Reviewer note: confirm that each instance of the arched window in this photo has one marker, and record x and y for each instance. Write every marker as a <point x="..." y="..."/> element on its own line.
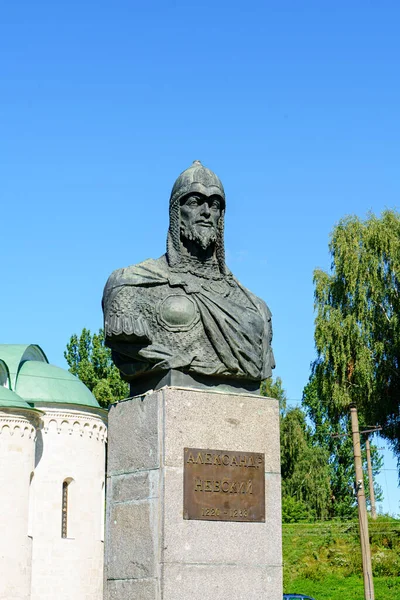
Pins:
<point x="64" y="507"/>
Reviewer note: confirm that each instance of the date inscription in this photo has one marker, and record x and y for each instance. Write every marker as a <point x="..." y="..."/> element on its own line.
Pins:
<point x="222" y="485"/>
<point x="216" y="512"/>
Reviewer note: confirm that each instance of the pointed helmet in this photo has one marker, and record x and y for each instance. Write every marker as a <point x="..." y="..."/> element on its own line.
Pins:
<point x="201" y="180"/>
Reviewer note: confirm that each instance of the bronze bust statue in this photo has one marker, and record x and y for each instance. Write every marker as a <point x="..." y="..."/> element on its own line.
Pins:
<point x="183" y="319"/>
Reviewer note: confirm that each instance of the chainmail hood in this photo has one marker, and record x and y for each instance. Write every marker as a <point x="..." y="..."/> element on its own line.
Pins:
<point x="195" y="179"/>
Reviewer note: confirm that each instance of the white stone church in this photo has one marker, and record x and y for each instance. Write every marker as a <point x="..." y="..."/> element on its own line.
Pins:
<point x="52" y="481"/>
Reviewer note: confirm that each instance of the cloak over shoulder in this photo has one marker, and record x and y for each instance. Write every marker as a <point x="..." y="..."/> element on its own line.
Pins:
<point x="234" y="323"/>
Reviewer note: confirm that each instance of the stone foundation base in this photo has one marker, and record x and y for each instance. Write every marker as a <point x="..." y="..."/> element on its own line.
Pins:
<point x="152" y="552"/>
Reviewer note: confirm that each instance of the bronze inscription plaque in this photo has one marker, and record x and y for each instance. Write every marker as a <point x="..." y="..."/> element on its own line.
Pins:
<point x="219" y="485"/>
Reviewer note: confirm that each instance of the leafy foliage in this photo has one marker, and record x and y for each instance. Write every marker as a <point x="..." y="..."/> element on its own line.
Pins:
<point x="317" y="468"/>
<point x="334" y="434"/>
<point x="304" y="465"/>
<point x="295" y="511"/>
<point x="357" y="332"/>
<point x="274" y="389"/>
<point x="90" y="360"/>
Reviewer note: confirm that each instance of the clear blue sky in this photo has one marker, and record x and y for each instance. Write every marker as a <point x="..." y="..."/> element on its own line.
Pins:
<point x="295" y="105"/>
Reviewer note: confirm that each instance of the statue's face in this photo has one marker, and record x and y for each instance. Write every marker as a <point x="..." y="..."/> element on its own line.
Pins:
<point x="199" y="218"/>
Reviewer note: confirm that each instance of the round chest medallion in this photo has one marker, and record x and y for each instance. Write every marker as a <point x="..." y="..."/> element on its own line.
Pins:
<point x="177" y="313"/>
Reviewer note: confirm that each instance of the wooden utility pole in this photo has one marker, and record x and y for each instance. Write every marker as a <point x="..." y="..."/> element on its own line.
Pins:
<point x="370" y="478"/>
<point x="362" y="508"/>
<point x="373" y="429"/>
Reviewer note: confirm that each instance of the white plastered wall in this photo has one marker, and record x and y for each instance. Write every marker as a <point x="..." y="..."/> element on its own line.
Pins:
<point x="17" y="450"/>
<point x="70" y="446"/>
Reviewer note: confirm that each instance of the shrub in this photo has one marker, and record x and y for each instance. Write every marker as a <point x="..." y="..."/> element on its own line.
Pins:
<point x="294" y="511"/>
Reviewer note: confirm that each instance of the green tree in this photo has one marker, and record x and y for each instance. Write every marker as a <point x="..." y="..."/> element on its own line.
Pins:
<point x="274" y="389"/>
<point x="304" y="465"/>
<point x="317" y="468"/>
<point x="334" y="434"/>
<point x="90" y="360"/>
<point x="339" y="451"/>
<point x="357" y="327"/>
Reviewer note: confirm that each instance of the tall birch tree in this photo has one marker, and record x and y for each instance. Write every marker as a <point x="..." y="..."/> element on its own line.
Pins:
<point x="357" y="326"/>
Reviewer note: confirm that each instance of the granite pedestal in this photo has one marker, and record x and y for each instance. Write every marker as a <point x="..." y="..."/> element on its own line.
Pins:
<point x="152" y="552"/>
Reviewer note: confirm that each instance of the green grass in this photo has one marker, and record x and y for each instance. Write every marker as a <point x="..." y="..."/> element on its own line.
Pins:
<point x="346" y="588"/>
<point x="324" y="559"/>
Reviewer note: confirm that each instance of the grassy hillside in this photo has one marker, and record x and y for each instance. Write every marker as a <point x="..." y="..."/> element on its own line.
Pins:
<point x="324" y="559"/>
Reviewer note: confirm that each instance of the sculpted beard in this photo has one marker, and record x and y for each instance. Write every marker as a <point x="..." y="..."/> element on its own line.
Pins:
<point x="203" y="236"/>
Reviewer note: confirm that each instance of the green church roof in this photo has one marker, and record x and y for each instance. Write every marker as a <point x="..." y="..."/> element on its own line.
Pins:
<point x="39" y="382"/>
<point x="15" y="354"/>
<point x="9" y="399"/>
<point x="27" y="378"/>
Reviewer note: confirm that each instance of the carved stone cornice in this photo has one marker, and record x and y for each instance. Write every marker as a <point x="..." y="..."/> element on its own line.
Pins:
<point x="70" y="423"/>
<point x="10" y="424"/>
<point x="75" y="424"/>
